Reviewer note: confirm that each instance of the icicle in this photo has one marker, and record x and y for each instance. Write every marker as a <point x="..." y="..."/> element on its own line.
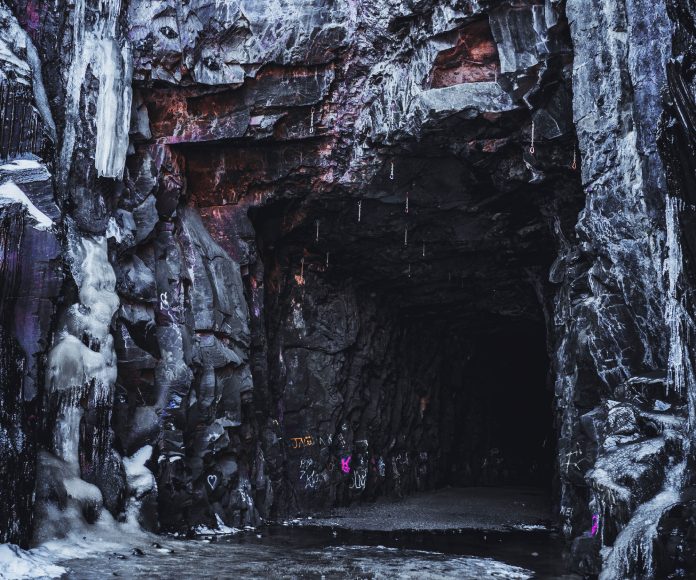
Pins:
<point x="531" y="147"/>
<point x="574" y="165"/>
<point x="409" y="270"/>
<point x="391" y="171"/>
<point x="316" y="237"/>
<point x="311" y="122"/>
<point x="327" y="259"/>
<point x="424" y="249"/>
<point x="359" y="211"/>
<point x="405" y="236"/>
<point x="407" y="202"/>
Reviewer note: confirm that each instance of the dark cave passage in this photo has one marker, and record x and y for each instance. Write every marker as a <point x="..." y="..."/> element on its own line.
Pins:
<point x="501" y="410"/>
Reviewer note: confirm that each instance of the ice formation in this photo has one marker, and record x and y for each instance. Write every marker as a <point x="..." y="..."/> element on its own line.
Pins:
<point x="96" y="45"/>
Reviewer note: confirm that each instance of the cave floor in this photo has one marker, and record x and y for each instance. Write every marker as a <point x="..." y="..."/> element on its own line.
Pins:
<point x="473" y="533"/>
<point x="452" y="508"/>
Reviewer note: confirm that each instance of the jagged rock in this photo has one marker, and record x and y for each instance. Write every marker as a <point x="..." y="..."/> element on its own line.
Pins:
<point x="335" y="246"/>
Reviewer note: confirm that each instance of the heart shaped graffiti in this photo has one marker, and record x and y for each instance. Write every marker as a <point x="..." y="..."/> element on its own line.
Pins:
<point x="212" y="481"/>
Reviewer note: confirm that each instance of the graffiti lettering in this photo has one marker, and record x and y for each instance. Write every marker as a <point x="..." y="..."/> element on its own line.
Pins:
<point x="567" y="511"/>
<point x="298" y="442"/>
<point x="164" y="301"/>
<point x="595" y="525"/>
<point x="380" y="467"/>
<point x="308" y="474"/>
<point x="345" y="464"/>
<point x="359" y="479"/>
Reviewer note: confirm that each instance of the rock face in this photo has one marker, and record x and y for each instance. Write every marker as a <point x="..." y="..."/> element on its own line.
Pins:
<point x="262" y="258"/>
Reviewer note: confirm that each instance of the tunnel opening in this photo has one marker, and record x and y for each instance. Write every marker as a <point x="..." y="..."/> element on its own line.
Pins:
<point x="391" y="370"/>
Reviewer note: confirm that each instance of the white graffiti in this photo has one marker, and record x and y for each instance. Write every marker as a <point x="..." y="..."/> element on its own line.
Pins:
<point x="311" y="478"/>
<point x="381" y="467"/>
<point x="359" y="479"/>
<point x="164" y="301"/>
<point x="212" y="481"/>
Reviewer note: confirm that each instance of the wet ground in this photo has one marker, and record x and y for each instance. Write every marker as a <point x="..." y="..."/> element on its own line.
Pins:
<point x="490" y="508"/>
<point x="336" y="547"/>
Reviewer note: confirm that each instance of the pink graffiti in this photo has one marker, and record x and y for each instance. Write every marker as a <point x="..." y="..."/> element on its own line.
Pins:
<point x="345" y="464"/>
<point x="595" y="525"/>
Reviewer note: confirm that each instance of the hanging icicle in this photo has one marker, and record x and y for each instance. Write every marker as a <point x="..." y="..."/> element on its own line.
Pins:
<point x="391" y="171"/>
<point x="574" y="165"/>
<point x="405" y="236"/>
<point x="327" y="260"/>
<point x="409" y="270"/>
<point x="311" y="122"/>
<point x="424" y="249"/>
<point x="407" y="202"/>
<point x="359" y="211"/>
<point x="316" y="237"/>
<point x="531" y="146"/>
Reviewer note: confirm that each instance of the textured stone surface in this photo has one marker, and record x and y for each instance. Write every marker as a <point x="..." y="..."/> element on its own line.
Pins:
<point x="341" y="240"/>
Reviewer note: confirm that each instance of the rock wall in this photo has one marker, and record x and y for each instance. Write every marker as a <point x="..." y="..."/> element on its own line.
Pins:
<point x="276" y="245"/>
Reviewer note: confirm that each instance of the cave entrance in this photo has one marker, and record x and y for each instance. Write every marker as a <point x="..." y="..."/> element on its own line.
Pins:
<point x="499" y="409"/>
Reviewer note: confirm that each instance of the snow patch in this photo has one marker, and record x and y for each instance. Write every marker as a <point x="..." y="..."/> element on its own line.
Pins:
<point x="221" y="529"/>
<point x="21" y="165"/>
<point x="17" y="564"/>
<point x="140" y="478"/>
<point x="10" y="193"/>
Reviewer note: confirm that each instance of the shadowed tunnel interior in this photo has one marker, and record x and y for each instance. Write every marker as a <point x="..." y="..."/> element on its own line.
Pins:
<point x="399" y="332"/>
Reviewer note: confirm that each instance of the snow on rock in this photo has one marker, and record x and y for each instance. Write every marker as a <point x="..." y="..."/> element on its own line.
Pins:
<point x="635" y="542"/>
<point x="140" y="478"/>
<point x="10" y="193"/>
<point x="222" y="529"/>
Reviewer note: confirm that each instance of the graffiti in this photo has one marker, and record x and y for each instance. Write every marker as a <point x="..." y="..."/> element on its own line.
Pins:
<point x="569" y="460"/>
<point x="423" y="456"/>
<point x="595" y="525"/>
<point x="298" y="442"/>
<point x="345" y="464"/>
<point x="567" y="511"/>
<point x="381" y="467"/>
<point x="362" y="443"/>
<point x="212" y="481"/>
<point x="325" y="440"/>
<point x="359" y="478"/>
<point x="308" y="474"/>
<point x="164" y="301"/>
